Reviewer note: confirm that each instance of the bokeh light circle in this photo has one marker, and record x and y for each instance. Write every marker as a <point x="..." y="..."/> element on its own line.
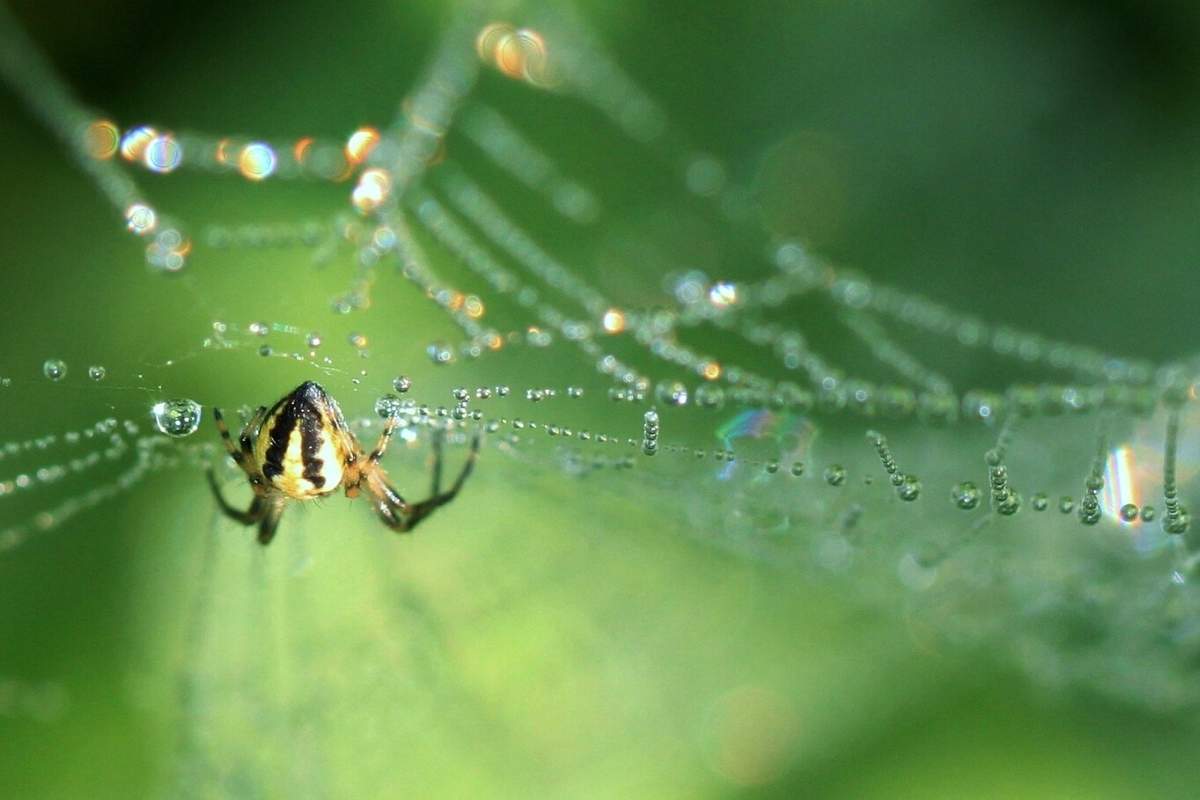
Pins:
<point x="257" y="161"/>
<point x="135" y="141"/>
<point x="101" y="138"/>
<point x="141" y="219"/>
<point x="163" y="154"/>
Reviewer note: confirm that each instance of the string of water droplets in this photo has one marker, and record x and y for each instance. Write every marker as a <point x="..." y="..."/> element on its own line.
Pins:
<point x="416" y="201"/>
<point x="392" y="161"/>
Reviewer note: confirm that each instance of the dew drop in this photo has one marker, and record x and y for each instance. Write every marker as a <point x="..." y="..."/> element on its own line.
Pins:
<point x="1039" y="501"/>
<point x="965" y="495"/>
<point x="313" y="339"/>
<point x="1066" y="504"/>
<point x="671" y="393"/>
<point x="1148" y="513"/>
<point x="797" y="468"/>
<point x="536" y="337"/>
<point x="389" y="405"/>
<point x="650" y="432"/>
<point x="1010" y="505"/>
<point x="259" y="328"/>
<point x="358" y="341"/>
<point x="176" y="417"/>
<point x="439" y="353"/>
<point x="835" y="474"/>
<point x="97" y="372"/>
<point x="402" y="383"/>
<point x="1129" y="512"/>
<point x="710" y="396"/>
<point x="909" y="489"/>
<point x="1177" y="523"/>
<point x="55" y="369"/>
<point x="140" y="219"/>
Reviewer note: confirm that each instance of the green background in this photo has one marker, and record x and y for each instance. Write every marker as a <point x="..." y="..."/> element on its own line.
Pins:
<point x="1033" y="163"/>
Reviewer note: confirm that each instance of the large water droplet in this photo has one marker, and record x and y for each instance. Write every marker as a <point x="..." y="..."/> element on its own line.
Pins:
<point x="1178" y="522"/>
<point x="671" y="393"/>
<point x="965" y="495"/>
<point x="176" y="417"/>
<point x="389" y="405"/>
<point x="55" y="369"/>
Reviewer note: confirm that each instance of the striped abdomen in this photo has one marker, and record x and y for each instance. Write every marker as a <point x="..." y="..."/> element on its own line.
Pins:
<point x="300" y="447"/>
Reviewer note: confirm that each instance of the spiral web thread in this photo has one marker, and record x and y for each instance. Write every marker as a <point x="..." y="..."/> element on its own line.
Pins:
<point x="415" y="205"/>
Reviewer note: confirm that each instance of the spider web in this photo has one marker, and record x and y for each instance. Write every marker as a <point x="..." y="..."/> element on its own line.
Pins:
<point x="645" y="357"/>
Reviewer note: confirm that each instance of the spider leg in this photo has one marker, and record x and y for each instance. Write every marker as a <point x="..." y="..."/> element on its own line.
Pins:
<point x="385" y="437"/>
<point x="237" y="455"/>
<point x="401" y="516"/>
<point x="243" y="456"/>
<point x="270" y="521"/>
<point x="439" y="439"/>
<point x="248" y="517"/>
<point x="422" y="509"/>
<point x="393" y="514"/>
<point x="246" y="439"/>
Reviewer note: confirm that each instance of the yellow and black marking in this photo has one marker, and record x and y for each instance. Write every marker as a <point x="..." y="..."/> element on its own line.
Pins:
<point x="301" y="449"/>
<point x="301" y="444"/>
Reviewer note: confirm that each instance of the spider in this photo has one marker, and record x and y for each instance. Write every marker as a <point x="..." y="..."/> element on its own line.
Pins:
<point x="302" y="449"/>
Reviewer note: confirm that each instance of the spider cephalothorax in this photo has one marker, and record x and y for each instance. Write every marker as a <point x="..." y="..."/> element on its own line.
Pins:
<point x="301" y="448"/>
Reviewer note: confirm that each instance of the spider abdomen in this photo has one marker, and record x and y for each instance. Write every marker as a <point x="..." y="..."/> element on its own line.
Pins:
<point x="298" y="444"/>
